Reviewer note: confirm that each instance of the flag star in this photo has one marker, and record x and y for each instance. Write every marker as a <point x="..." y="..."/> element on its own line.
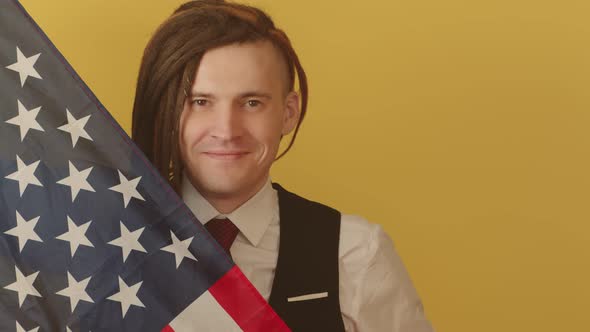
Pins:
<point x="76" y="235"/>
<point x="128" y="241"/>
<point x="24" y="231"/>
<point x="26" y="120"/>
<point x="23" y="286"/>
<point x="128" y="188"/>
<point x="127" y="296"/>
<point x="180" y="249"/>
<point x="77" y="180"/>
<point x="25" y="175"/>
<point x="76" y="128"/>
<point x="25" y="66"/>
<point x="76" y="291"/>
<point x="21" y="329"/>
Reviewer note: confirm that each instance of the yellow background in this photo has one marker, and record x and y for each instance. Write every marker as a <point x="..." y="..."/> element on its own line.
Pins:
<point x="461" y="126"/>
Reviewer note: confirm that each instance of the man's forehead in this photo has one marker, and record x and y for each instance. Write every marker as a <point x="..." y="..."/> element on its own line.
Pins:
<point x="262" y="45"/>
<point x="257" y="64"/>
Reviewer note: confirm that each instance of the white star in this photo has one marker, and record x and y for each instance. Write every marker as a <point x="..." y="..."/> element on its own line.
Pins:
<point x="76" y="127"/>
<point x="24" y="231"/>
<point x="25" y="66"/>
<point x="23" y="286"/>
<point x="76" y="291"/>
<point x="26" y="120"/>
<point x="128" y="241"/>
<point x="77" y="180"/>
<point x="20" y="328"/>
<point x="25" y="175"/>
<point x="128" y="188"/>
<point x="180" y="249"/>
<point x="127" y="296"/>
<point x="76" y="235"/>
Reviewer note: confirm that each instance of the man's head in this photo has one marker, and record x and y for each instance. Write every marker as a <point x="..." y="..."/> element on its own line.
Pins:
<point x="215" y="94"/>
<point x="238" y="109"/>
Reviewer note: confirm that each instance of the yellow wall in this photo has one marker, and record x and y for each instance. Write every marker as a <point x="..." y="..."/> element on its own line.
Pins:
<point x="461" y="126"/>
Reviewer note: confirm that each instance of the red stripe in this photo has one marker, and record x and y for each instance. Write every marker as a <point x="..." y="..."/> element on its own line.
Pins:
<point x="167" y="329"/>
<point x="244" y="304"/>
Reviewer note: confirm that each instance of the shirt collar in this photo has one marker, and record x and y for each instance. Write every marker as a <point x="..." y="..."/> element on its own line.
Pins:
<point x="252" y="218"/>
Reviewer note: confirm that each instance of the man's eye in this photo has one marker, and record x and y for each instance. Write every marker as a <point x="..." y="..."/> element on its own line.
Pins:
<point x="253" y="103"/>
<point x="200" y="102"/>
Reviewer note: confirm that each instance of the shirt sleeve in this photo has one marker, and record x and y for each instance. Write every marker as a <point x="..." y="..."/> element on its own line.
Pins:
<point x="385" y="298"/>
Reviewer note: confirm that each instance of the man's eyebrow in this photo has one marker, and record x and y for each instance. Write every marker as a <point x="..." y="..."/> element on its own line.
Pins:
<point x="201" y="94"/>
<point x="248" y="94"/>
<point x="258" y="94"/>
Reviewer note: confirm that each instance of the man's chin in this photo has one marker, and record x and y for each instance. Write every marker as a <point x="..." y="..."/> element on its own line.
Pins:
<point x="223" y="189"/>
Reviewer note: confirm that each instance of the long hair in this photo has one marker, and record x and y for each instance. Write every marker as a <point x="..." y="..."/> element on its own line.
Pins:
<point x="171" y="59"/>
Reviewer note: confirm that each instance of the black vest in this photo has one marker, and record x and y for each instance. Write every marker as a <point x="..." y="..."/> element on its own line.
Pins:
<point x="307" y="264"/>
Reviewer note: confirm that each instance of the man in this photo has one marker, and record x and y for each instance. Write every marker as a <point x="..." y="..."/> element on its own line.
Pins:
<point x="215" y="96"/>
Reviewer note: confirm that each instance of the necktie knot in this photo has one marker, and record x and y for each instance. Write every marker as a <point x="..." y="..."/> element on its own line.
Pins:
<point x="223" y="231"/>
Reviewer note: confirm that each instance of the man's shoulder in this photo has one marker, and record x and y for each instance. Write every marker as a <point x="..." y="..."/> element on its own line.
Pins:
<point x="361" y="236"/>
<point x="300" y="201"/>
<point x="357" y="223"/>
<point x="351" y="224"/>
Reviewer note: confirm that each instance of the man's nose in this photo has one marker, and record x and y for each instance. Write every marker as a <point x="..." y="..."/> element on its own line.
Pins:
<point x="228" y="123"/>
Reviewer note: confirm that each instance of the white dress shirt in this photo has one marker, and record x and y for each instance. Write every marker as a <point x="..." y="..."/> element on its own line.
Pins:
<point x="376" y="293"/>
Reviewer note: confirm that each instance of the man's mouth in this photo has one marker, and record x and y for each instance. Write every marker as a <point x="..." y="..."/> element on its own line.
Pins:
<point x="225" y="155"/>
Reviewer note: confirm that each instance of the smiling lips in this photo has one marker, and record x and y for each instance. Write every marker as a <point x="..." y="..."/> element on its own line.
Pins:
<point x="225" y="155"/>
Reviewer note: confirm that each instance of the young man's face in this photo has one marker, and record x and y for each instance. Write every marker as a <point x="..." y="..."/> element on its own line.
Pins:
<point x="234" y="117"/>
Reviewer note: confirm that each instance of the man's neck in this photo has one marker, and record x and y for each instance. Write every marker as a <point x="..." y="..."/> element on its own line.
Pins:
<point x="227" y="203"/>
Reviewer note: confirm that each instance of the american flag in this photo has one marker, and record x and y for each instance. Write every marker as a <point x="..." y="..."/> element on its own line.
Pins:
<point x="91" y="237"/>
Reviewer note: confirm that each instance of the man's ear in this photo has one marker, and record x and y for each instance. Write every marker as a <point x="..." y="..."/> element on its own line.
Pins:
<point x="291" y="113"/>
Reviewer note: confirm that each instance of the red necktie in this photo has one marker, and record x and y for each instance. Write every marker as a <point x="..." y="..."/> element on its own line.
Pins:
<point x="224" y="231"/>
